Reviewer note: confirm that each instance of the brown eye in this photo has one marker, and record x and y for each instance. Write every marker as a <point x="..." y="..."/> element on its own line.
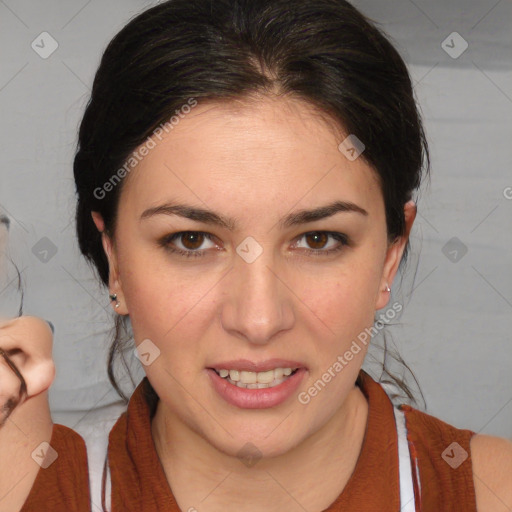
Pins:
<point x="192" y="240"/>
<point x="187" y="243"/>
<point x="317" y="240"/>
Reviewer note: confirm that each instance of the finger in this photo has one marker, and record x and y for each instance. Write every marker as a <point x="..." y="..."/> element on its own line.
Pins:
<point x="12" y="387"/>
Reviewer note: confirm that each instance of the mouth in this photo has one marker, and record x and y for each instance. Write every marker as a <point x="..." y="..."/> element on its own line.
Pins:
<point x="256" y="380"/>
<point x="249" y="385"/>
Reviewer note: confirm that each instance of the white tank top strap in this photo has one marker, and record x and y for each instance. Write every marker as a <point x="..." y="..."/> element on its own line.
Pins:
<point x="106" y="487"/>
<point x="407" y="502"/>
<point x="95" y="428"/>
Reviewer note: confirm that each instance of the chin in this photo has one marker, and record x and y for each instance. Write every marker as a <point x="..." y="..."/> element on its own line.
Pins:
<point x="254" y="447"/>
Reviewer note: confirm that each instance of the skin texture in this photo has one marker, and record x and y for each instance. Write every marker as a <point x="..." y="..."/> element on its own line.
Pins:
<point x="491" y="459"/>
<point x="255" y="162"/>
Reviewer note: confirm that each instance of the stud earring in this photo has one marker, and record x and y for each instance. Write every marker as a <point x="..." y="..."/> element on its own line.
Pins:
<point x="113" y="296"/>
<point x="388" y="289"/>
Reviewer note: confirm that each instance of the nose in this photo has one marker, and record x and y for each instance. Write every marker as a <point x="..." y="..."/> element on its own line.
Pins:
<point x="259" y="304"/>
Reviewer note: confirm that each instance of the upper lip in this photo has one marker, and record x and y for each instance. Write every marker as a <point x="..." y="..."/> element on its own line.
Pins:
<point x="251" y="366"/>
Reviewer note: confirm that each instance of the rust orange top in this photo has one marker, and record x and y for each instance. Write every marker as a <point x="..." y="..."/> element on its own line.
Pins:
<point x="138" y="481"/>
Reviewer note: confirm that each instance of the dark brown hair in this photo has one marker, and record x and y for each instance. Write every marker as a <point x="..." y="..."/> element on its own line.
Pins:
<point x="12" y="402"/>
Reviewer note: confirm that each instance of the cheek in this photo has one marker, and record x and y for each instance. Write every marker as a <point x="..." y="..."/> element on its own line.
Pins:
<point x="343" y="301"/>
<point x="158" y="308"/>
<point x="346" y="313"/>
<point x="164" y="304"/>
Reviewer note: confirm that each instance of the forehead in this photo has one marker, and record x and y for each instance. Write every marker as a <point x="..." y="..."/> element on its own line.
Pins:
<point x="258" y="150"/>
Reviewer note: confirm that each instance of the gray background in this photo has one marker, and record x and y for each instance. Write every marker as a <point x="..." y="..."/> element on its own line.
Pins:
<point x="455" y="331"/>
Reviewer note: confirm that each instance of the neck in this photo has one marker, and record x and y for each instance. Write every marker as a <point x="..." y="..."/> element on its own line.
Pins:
<point x="309" y="477"/>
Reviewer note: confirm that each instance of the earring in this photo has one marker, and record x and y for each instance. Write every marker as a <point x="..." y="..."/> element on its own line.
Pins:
<point x="113" y="296"/>
<point x="388" y="289"/>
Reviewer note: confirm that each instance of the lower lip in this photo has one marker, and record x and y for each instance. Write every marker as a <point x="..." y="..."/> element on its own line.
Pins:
<point x="256" y="398"/>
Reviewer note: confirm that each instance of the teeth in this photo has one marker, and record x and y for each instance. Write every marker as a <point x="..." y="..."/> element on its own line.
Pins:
<point x="256" y="385"/>
<point x="280" y="372"/>
<point x="255" y="380"/>
<point x="249" y="377"/>
<point x="234" y="375"/>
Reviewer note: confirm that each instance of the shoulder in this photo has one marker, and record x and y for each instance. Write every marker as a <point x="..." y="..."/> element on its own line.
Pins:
<point x="482" y="463"/>
<point x="431" y="430"/>
<point x="442" y="455"/>
<point x="63" y="475"/>
<point x="492" y="472"/>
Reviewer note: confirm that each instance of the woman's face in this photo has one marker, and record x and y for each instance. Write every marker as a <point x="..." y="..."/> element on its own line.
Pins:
<point x="253" y="289"/>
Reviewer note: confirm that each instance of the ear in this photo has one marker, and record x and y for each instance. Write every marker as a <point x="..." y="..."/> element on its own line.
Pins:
<point x="114" y="279"/>
<point x="394" y="255"/>
<point x="28" y="341"/>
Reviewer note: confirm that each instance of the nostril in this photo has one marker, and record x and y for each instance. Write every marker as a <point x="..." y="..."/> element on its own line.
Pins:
<point x="5" y="220"/>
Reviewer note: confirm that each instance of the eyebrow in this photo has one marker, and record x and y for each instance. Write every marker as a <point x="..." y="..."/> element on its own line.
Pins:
<point x="293" y="219"/>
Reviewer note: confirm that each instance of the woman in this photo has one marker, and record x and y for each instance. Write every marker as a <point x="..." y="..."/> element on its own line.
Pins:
<point x="244" y="174"/>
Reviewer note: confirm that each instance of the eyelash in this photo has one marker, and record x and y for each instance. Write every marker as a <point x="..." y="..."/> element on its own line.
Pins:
<point x="168" y="239"/>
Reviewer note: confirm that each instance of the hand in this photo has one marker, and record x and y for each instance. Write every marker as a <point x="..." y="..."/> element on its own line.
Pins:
<point x="26" y="365"/>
